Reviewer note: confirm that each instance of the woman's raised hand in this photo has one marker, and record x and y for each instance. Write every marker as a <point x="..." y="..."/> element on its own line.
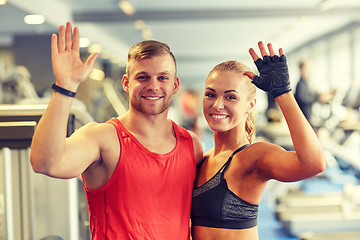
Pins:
<point x="274" y="74"/>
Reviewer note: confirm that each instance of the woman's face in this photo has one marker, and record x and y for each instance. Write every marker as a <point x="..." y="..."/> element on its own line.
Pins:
<point x="225" y="102"/>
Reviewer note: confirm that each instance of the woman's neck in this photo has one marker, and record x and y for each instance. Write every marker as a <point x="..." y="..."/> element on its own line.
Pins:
<point x="229" y="140"/>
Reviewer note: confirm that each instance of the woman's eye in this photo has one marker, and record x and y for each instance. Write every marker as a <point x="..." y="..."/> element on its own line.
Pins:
<point x="210" y="95"/>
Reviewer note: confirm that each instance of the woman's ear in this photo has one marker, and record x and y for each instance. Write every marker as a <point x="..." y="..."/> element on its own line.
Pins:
<point x="125" y="83"/>
<point x="251" y="105"/>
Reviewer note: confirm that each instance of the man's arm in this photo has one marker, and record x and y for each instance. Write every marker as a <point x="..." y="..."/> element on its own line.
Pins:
<point x="51" y="153"/>
<point x="198" y="149"/>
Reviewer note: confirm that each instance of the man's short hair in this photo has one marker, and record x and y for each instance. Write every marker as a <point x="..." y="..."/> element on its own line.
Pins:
<point x="148" y="49"/>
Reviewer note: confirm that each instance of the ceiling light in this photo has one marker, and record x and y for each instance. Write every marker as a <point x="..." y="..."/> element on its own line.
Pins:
<point x="115" y="60"/>
<point x="119" y="60"/>
<point x="139" y="24"/>
<point x="147" y="34"/>
<point x="3" y="2"/>
<point x="327" y="4"/>
<point x="95" y="48"/>
<point x="105" y="54"/>
<point x="304" y="19"/>
<point x="34" y="19"/>
<point x="126" y="7"/>
<point x="97" y="75"/>
<point x="84" y="42"/>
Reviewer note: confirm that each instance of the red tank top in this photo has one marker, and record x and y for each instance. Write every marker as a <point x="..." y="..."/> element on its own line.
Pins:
<point x="149" y="194"/>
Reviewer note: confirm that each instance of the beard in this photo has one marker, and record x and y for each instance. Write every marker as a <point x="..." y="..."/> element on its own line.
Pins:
<point x="146" y="107"/>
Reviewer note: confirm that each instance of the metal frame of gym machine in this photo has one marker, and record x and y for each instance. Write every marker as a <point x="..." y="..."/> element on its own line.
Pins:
<point x="28" y="201"/>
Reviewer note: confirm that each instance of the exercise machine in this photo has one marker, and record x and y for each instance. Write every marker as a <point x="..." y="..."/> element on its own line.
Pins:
<point x="34" y="206"/>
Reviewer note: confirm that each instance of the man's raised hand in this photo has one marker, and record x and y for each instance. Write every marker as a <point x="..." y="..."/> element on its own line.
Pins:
<point x="68" y="68"/>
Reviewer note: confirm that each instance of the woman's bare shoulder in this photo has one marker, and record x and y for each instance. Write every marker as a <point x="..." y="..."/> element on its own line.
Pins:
<point x="263" y="147"/>
<point x="208" y="153"/>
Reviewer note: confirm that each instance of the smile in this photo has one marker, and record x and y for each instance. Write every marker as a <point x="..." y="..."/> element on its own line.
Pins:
<point x="218" y="116"/>
<point x="152" y="98"/>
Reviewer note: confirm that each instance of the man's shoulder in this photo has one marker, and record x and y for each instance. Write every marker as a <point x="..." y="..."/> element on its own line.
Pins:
<point x="96" y="125"/>
<point x="97" y="130"/>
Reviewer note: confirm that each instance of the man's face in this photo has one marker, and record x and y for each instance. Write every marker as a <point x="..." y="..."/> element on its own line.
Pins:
<point x="151" y="84"/>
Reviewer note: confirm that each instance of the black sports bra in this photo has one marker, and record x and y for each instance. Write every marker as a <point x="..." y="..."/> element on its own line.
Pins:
<point x="214" y="205"/>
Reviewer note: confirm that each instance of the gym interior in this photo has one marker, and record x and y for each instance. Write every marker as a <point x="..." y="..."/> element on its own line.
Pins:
<point x="327" y="206"/>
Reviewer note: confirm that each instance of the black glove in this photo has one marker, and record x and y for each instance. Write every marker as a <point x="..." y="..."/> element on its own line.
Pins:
<point x="274" y="75"/>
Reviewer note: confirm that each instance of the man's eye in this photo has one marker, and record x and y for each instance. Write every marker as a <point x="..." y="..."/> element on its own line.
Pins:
<point x="163" y="78"/>
<point x="142" y="77"/>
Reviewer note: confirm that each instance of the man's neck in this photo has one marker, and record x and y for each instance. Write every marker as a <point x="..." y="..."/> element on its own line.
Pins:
<point x="155" y="133"/>
<point x="145" y="124"/>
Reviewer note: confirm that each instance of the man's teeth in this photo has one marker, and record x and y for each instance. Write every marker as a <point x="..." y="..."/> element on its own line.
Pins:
<point x="219" y="116"/>
<point x="152" y="98"/>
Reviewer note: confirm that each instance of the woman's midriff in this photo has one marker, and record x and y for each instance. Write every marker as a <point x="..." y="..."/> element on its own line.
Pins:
<point x="207" y="233"/>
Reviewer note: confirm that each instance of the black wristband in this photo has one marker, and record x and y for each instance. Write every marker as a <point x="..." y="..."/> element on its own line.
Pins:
<point x="63" y="90"/>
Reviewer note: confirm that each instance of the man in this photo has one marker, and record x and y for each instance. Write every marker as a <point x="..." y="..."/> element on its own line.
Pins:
<point x="304" y="96"/>
<point x="138" y="169"/>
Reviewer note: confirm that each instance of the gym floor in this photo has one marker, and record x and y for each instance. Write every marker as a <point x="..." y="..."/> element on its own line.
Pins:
<point x="269" y="227"/>
<point x="332" y="181"/>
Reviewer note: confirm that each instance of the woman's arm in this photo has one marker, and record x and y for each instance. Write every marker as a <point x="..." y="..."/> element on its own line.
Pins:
<point x="308" y="158"/>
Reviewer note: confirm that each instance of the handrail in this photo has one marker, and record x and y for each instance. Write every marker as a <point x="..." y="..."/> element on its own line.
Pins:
<point x="113" y="97"/>
<point x="38" y="109"/>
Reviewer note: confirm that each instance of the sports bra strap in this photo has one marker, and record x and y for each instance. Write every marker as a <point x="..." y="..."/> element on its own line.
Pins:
<point x="232" y="155"/>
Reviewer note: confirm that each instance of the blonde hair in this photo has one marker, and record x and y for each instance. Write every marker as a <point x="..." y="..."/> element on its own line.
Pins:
<point x="241" y="68"/>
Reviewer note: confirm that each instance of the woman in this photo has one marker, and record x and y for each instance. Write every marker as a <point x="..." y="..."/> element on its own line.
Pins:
<point x="232" y="178"/>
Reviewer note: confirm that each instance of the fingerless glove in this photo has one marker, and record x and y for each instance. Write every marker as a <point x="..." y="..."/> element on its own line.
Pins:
<point x="274" y="75"/>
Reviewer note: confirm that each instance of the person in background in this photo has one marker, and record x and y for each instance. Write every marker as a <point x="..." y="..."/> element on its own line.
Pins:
<point x="190" y="110"/>
<point x="231" y="180"/>
<point x="138" y="169"/>
<point x="305" y="96"/>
